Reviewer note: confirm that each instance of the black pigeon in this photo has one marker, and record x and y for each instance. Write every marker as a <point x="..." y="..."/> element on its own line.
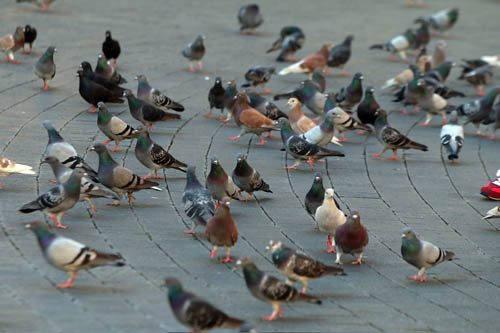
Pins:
<point x="268" y="109"/>
<point x="94" y="93"/>
<point x="111" y="48"/>
<point x="216" y="98"/>
<point x="442" y="90"/>
<point x="229" y="99"/>
<point x="290" y="41"/>
<point x="100" y="79"/>
<point x="314" y="198"/>
<point x="367" y="108"/>
<point x="29" y="37"/>
<point x="248" y="179"/>
<point x="351" y="95"/>
<point x="479" y="77"/>
<point x="258" y="76"/>
<point x="340" y="54"/>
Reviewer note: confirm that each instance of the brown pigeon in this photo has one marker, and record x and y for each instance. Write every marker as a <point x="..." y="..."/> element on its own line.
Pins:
<point x="221" y="230"/>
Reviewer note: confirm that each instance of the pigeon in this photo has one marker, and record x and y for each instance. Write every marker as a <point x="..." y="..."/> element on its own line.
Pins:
<point x="493" y="121"/>
<point x="195" y="51"/>
<point x="88" y="188"/>
<point x="270" y="289"/>
<point x="442" y="20"/>
<point x="197" y="200"/>
<point x="259" y="75"/>
<point x="492" y="213"/>
<point x="409" y="94"/>
<point x="299" y="122"/>
<point x="250" y="18"/>
<point x="119" y="179"/>
<point x="478" y="110"/>
<point x="351" y="237"/>
<point x="318" y="81"/>
<point x="58" y="200"/>
<point x="111" y="48"/>
<point x="322" y="134"/>
<point x="329" y="217"/>
<point x="43" y="4"/>
<point x="492" y="60"/>
<point x="29" y="37"/>
<point x="441" y="89"/>
<point x="299" y="267"/>
<point x="251" y="120"/>
<point x="315" y="196"/>
<point x="309" y="63"/>
<point x="268" y="109"/>
<point x="398" y="44"/>
<point x="216" y="98"/>
<point x="100" y="79"/>
<point x="367" y="108"/>
<point x="197" y="313"/>
<point x="155" y="97"/>
<point x="229" y="99"/>
<point x="403" y="78"/>
<point x="439" y="54"/>
<point x="69" y="255"/>
<point x="11" y="43"/>
<point x="432" y="104"/>
<point x="94" y="93"/>
<point x="351" y="95"/>
<point x="146" y="113"/>
<point x="155" y="157"/>
<point x="421" y="254"/>
<point x="452" y="137"/>
<point x="113" y="127"/>
<point x="218" y="183"/>
<point x="308" y="94"/>
<point x="45" y="68"/>
<point x="64" y="151"/>
<point x="479" y="77"/>
<point x="247" y="178"/>
<point x="291" y="40"/>
<point x="343" y="122"/>
<point x="423" y="36"/>
<point x="104" y="68"/>
<point x="300" y="149"/>
<point x="340" y="55"/>
<point x="391" y="138"/>
<point x="9" y="167"/>
<point x="221" y="230"/>
<point x="441" y="72"/>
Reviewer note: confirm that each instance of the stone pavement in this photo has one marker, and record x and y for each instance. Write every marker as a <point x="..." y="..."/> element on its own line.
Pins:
<point x="439" y="200"/>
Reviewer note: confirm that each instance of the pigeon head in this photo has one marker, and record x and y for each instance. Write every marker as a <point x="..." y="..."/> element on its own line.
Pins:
<point x="369" y="90"/>
<point x="327" y="47"/>
<point x="381" y="117"/>
<point x="27" y="28"/>
<point x="99" y="148"/>
<point x="85" y="65"/>
<point x="42" y="233"/>
<point x="51" y="50"/>
<point x="273" y="246"/>
<point x="241" y="98"/>
<point x="79" y="73"/>
<point x="408" y="234"/>
<point x="141" y="77"/>
<point x="245" y="262"/>
<point x="173" y="283"/>
<point x="226" y="202"/>
<point x="19" y="34"/>
<point x="348" y="40"/>
<point x="128" y="93"/>
<point x="353" y="221"/>
<point x="317" y="177"/>
<point x="108" y="34"/>
<point x="329" y="193"/>
<point x="241" y="157"/>
<point x="54" y="135"/>
<point x="293" y="102"/>
<point x="214" y="161"/>
<point x="358" y="76"/>
<point x="144" y="140"/>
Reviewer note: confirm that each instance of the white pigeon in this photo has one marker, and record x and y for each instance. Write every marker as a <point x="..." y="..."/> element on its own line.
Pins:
<point x="493" y="60"/>
<point x="328" y="217"/>
<point x="69" y="255"/>
<point x="452" y="137"/>
<point x="494" y="212"/>
<point x="8" y="167"/>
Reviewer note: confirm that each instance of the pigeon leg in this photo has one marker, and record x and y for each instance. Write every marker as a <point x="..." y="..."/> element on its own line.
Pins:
<point x="44" y="7"/>
<point x="445" y="121"/>
<point x="234" y="138"/>
<point x="380" y="154"/>
<point x="45" y="85"/>
<point x="254" y="32"/>
<point x="417" y="108"/>
<point x="267" y="91"/>
<point x="404" y="111"/>
<point x="218" y="205"/>
<point x="339" y="254"/>
<point x="492" y="137"/>
<point x="68" y="283"/>
<point x="261" y="143"/>
<point x="191" y="67"/>
<point x="330" y="244"/>
<point x="243" y="32"/>
<point x="304" y="286"/>
<point x="114" y="203"/>
<point x="150" y="127"/>
<point x="419" y="276"/>
<point x="93" y="209"/>
<point x="345" y="74"/>
<point x="393" y="57"/>
<point x="116" y="147"/>
<point x="213" y="253"/>
<point x="480" y="91"/>
<point x="105" y="142"/>
<point x="146" y="176"/>
<point x="157" y="176"/>
<point x="311" y="163"/>
<point x="395" y="156"/>
<point x="268" y="135"/>
<point x="292" y="59"/>
<point x="427" y="120"/>
<point x="247" y="198"/>
<point x="277" y="311"/>
<point x="94" y="109"/>
<point x="200" y="65"/>
<point x="57" y="220"/>
<point x="131" y="198"/>
<point x="222" y="120"/>
<point x="191" y="231"/>
<point x="410" y="3"/>
<point x="209" y="113"/>
<point x="53" y="181"/>
<point x="361" y="132"/>
<point x="358" y="261"/>
<point x="1" y="185"/>
<point x="228" y="258"/>
<point x="343" y="139"/>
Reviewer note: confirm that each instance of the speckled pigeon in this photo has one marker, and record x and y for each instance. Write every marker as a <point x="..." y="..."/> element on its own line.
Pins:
<point x="154" y="96"/>
<point x="197" y="200"/>
<point x="113" y="127"/>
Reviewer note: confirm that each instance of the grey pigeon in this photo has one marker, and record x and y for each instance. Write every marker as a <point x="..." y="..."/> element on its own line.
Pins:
<point x="340" y="55"/>
<point x="146" y="113"/>
<point x="298" y="266"/>
<point x="493" y="121"/>
<point x="247" y="178"/>
<point x="58" y="200"/>
<point x="398" y="45"/>
<point x="154" y="96"/>
<point x="104" y="68"/>
<point x="421" y="254"/>
<point x="218" y="183"/>
<point x="259" y="76"/>
<point x="352" y="94"/>
<point x="268" y="109"/>
<point x="9" y="167"/>
<point x="88" y="188"/>
<point x="69" y="255"/>
<point x="328" y="218"/>
<point x="452" y="137"/>
<point x="113" y="127"/>
<point x="271" y="290"/>
<point x="441" y="72"/>
<point x="155" y="157"/>
<point x="479" y="77"/>
<point x="195" y="52"/>
<point x="197" y="200"/>
<point x="441" y="21"/>
<point x="410" y="93"/>
<point x="291" y="40"/>
<point x="479" y="110"/>
<point x="301" y="149"/>
<point x="307" y="93"/>
<point x="45" y="68"/>
<point x="197" y="313"/>
<point x="432" y="103"/>
<point x="391" y="138"/>
<point x="119" y="179"/>
<point x="64" y="151"/>
<point x="250" y="18"/>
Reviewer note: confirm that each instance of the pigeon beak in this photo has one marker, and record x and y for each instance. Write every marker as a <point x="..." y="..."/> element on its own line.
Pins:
<point x="403" y="235"/>
<point x="55" y="50"/>
<point x="92" y="149"/>
<point x="136" y="78"/>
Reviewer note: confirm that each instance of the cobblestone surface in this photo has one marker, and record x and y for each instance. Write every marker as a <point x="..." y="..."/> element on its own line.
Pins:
<point x="439" y="200"/>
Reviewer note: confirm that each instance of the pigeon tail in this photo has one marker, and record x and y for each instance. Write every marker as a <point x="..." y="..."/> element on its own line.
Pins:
<point x="307" y="298"/>
<point x="377" y="47"/>
<point x="295" y="68"/>
<point x="284" y="96"/>
<point x="169" y="116"/>
<point x="30" y="207"/>
<point x="332" y="270"/>
<point x="416" y="145"/>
